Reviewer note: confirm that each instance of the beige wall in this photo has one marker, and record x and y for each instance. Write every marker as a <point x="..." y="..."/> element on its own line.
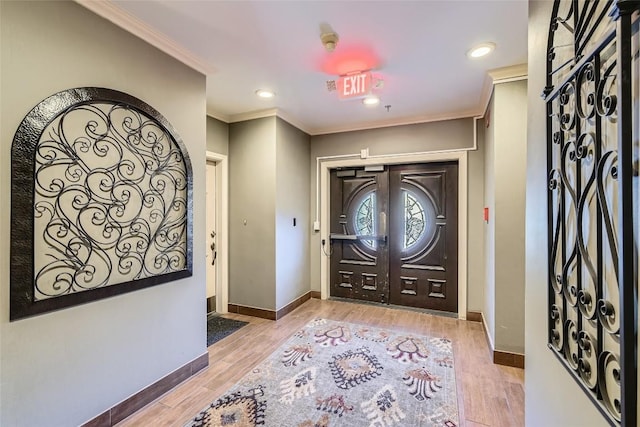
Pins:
<point x="217" y="136"/>
<point x="510" y="117"/>
<point x="475" y="231"/>
<point x="552" y="397"/>
<point x="268" y="186"/>
<point x="292" y="201"/>
<point x="252" y="210"/>
<point x="505" y="143"/>
<point x="65" y="367"/>
<point x="489" y="227"/>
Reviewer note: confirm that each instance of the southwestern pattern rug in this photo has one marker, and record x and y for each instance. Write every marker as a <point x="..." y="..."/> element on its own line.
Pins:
<point x="342" y="374"/>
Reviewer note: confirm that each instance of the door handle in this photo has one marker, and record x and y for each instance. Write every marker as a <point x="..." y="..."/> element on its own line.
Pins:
<point x="213" y="248"/>
<point x="383" y="224"/>
<point x="343" y="223"/>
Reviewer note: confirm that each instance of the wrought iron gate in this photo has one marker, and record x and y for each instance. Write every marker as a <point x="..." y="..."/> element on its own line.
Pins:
<point x="592" y="121"/>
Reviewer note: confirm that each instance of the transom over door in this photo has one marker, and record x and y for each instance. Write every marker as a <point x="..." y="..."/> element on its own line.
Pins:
<point x="395" y="235"/>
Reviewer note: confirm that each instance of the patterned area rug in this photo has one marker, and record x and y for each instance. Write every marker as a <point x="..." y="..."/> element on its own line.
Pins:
<point x="220" y="327"/>
<point x="342" y="374"/>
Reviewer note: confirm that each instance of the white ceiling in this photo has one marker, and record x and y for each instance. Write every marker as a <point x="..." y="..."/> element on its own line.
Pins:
<point x="417" y="47"/>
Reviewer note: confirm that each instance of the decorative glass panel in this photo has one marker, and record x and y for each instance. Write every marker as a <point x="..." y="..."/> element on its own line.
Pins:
<point x="366" y="219"/>
<point x="414" y="219"/>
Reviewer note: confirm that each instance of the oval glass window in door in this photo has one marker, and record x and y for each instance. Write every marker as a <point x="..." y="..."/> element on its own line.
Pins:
<point x="414" y="219"/>
<point x="365" y="218"/>
<point x="419" y="221"/>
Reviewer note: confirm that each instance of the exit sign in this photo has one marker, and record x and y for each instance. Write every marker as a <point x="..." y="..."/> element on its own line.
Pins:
<point x="354" y="85"/>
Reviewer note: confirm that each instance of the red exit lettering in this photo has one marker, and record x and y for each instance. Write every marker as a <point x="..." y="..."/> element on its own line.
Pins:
<point x="354" y="85"/>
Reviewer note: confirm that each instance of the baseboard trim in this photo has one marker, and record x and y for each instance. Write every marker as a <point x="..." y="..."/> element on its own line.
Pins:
<point x="474" y="316"/>
<point x="487" y="336"/>
<point x="252" y="311"/>
<point x="316" y="294"/>
<point x="270" y="314"/>
<point x="505" y="358"/>
<point x="292" y="305"/>
<point x="122" y="410"/>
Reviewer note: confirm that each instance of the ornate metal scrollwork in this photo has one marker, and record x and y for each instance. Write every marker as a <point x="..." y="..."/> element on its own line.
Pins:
<point x="592" y="51"/>
<point x="101" y="201"/>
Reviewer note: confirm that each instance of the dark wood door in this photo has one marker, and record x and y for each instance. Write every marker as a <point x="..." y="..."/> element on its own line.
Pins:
<point x="359" y="207"/>
<point x="423" y="238"/>
<point x="410" y="213"/>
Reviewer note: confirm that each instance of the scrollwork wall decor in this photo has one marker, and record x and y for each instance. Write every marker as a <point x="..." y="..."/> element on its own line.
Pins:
<point x="592" y="99"/>
<point x="101" y="201"/>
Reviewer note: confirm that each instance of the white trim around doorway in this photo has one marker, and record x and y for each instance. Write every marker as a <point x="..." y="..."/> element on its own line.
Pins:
<point x="459" y="156"/>
<point x="222" y="230"/>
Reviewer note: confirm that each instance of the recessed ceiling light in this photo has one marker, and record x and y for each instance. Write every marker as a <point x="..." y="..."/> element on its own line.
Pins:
<point x="481" y="50"/>
<point x="371" y="100"/>
<point x="263" y="93"/>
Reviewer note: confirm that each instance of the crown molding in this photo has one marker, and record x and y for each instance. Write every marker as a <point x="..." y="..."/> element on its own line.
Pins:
<point x="485" y="97"/>
<point x="252" y="115"/>
<point x="500" y="75"/>
<point x="275" y="112"/>
<point x="271" y="112"/>
<point x="130" y="23"/>
<point x="218" y="116"/>
<point x="511" y="73"/>
<point x="293" y="122"/>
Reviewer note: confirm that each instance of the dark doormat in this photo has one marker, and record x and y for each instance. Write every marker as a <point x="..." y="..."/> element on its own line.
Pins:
<point x="219" y="327"/>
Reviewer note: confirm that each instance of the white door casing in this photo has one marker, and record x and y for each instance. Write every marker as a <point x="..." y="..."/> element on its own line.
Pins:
<point x="222" y="230"/>
<point x="212" y="229"/>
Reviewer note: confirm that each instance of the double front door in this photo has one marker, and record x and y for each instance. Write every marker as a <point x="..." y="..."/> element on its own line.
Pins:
<point x="394" y="235"/>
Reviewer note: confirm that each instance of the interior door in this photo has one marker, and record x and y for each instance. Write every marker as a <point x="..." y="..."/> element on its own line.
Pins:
<point x="211" y="253"/>
<point x="423" y="239"/>
<point x="359" y="251"/>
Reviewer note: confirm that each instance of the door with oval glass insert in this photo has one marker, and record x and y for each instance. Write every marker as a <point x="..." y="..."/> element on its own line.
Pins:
<point x="395" y="235"/>
<point x="359" y="255"/>
<point x="423" y="239"/>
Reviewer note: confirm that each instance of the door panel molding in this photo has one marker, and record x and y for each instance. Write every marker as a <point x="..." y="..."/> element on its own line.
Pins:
<point x="423" y="267"/>
<point x="353" y="262"/>
<point x="222" y="225"/>
<point x="460" y="156"/>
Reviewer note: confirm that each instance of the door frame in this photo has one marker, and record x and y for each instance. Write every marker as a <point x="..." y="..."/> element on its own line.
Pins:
<point x="222" y="229"/>
<point x="437" y="156"/>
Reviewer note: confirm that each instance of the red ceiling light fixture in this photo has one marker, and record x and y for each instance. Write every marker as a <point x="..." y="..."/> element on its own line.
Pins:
<point x="349" y="59"/>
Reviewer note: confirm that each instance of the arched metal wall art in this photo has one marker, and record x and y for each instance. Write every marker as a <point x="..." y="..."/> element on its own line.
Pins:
<point x="592" y="99"/>
<point x="101" y="201"/>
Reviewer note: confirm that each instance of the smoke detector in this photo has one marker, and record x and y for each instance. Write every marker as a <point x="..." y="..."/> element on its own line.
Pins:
<point x="329" y="40"/>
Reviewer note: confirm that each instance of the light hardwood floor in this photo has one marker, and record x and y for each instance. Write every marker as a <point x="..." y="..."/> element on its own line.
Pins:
<point x="488" y="394"/>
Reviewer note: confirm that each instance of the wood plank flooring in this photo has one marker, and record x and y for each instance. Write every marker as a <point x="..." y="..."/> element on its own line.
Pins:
<point x="488" y="394"/>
